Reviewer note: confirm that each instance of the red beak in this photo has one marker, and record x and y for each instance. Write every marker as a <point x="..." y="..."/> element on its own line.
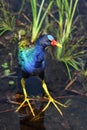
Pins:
<point x="55" y="43"/>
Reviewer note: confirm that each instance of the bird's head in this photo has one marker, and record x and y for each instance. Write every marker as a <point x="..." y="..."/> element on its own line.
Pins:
<point x="48" y="40"/>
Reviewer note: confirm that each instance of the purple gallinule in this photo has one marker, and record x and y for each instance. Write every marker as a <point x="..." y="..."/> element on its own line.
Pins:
<point x="32" y="62"/>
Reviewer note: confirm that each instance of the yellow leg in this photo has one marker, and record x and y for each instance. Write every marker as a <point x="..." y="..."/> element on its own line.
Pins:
<point x="26" y="98"/>
<point x="51" y="100"/>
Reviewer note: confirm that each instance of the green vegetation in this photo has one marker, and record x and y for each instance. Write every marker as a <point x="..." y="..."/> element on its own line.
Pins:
<point x="11" y="82"/>
<point x="7" y="19"/>
<point x="70" y="53"/>
<point x="38" y="17"/>
<point x="6" y="68"/>
<point x="5" y="65"/>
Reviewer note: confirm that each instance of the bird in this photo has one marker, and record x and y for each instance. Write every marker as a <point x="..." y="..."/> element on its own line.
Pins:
<point x="32" y="62"/>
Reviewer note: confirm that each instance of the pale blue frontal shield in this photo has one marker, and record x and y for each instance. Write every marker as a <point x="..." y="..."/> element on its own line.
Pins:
<point x="50" y="37"/>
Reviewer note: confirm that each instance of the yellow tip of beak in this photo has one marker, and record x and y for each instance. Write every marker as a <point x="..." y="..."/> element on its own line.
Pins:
<point x="59" y="45"/>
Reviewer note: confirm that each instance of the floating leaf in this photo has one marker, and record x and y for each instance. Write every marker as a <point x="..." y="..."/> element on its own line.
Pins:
<point x="5" y="65"/>
<point x="7" y="72"/>
<point x="11" y="82"/>
<point x="22" y="32"/>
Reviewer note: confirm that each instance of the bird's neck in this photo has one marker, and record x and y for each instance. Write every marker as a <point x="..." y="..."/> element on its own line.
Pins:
<point x="40" y="48"/>
<point x="39" y="53"/>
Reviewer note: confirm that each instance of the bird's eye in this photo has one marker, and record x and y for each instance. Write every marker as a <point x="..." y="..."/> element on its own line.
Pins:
<point x="50" y="37"/>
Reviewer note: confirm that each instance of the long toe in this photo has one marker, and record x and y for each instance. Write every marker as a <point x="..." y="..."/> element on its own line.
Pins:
<point x="31" y="109"/>
<point x="55" y="103"/>
<point x="51" y="99"/>
<point x="29" y="104"/>
<point x="20" y="106"/>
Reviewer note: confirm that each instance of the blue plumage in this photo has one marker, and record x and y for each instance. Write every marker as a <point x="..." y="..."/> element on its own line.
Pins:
<point x="32" y="59"/>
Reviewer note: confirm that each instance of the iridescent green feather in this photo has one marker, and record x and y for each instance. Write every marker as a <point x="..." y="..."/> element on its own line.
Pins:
<point x="24" y="52"/>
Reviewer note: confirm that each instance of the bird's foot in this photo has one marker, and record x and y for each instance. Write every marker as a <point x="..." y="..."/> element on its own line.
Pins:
<point x="54" y="102"/>
<point x="26" y="98"/>
<point x="29" y="104"/>
<point x="51" y="100"/>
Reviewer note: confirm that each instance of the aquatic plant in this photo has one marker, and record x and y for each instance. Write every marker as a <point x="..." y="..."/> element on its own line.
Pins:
<point x="70" y="53"/>
<point x="38" y="16"/>
<point x="21" y="7"/>
<point x="66" y="11"/>
<point x="7" y="19"/>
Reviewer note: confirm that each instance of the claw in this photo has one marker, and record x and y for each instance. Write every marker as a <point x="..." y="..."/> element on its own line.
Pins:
<point x="26" y="98"/>
<point x="51" y="100"/>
